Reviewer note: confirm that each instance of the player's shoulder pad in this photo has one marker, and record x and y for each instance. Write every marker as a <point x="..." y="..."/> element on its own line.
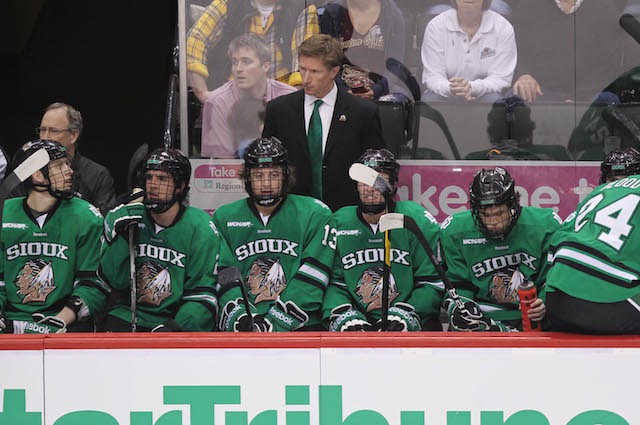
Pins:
<point x="542" y="216"/>
<point x="202" y="219"/>
<point x="417" y="212"/>
<point x="309" y="205"/>
<point x="345" y="214"/>
<point x="456" y="220"/>
<point x="84" y="209"/>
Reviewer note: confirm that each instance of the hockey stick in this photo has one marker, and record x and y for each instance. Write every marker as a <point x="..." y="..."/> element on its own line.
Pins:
<point x="33" y="163"/>
<point x="399" y="70"/>
<point x="616" y="117"/>
<point x="630" y="24"/>
<point x="366" y="175"/>
<point x="231" y="276"/>
<point x="401" y="221"/>
<point x="134" y="165"/>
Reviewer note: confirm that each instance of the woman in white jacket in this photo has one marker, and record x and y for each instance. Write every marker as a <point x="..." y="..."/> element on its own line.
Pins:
<point x="468" y="53"/>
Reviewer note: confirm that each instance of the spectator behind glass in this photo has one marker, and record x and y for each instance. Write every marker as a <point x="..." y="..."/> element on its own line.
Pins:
<point x="369" y="31"/>
<point x="272" y="20"/>
<point x="91" y="181"/>
<point x="570" y="49"/>
<point x="468" y="53"/>
<point x="246" y="121"/>
<point x="249" y="65"/>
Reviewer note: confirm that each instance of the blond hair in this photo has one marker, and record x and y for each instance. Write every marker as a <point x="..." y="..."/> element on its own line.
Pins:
<point x="324" y="47"/>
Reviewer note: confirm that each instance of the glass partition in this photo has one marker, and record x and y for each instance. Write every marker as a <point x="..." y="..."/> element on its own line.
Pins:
<point x="474" y="80"/>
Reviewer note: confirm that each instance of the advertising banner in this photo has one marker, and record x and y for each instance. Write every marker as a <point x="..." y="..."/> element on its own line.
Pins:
<point x="324" y="386"/>
<point x="442" y="187"/>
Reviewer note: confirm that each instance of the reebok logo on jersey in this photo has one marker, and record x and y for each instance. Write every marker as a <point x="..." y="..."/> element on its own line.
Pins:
<point x="262" y="246"/>
<point x="348" y="232"/>
<point x="239" y="224"/>
<point x="46" y="249"/>
<point x="476" y="241"/>
<point x="14" y="226"/>
<point x="496" y="263"/>
<point x="162" y="254"/>
<point x="373" y="255"/>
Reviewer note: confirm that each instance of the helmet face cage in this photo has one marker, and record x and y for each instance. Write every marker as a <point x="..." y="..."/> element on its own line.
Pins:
<point x="266" y="153"/>
<point x="620" y="163"/>
<point x="173" y="162"/>
<point x="382" y="161"/>
<point x="492" y="188"/>
<point x="50" y="171"/>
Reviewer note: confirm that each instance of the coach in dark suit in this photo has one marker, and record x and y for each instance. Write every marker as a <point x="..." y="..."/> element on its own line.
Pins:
<point x="324" y="129"/>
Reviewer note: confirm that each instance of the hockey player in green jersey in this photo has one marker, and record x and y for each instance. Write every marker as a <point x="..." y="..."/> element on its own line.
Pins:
<point x="353" y="300"/>
<point x="593" y="284"/>
<point x="176" y="252"/>
<point x="283" y="246"/>
<point x="492" y="248"/>
<point x="50" y="246"/>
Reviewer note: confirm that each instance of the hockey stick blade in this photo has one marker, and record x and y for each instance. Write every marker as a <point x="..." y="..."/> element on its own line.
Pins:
<point x="33" y="163"/>
<point x="391" y="221"/>
<point x="366" y="175"/>
<point x="398" y="69"/>
<point x="138" y="156"/>
<point x="231" y="276"/>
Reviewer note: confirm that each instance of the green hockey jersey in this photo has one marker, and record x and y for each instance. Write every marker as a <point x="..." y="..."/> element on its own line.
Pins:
<point x="483" y="269"/>
<point x="355" y="289"/>
<point x="594" y="256"/>
<point x="47" y="260"/>
<point x="175" y="271"/>
<point x="286" y="264"/>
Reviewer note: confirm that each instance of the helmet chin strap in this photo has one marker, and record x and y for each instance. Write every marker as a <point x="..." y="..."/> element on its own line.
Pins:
<point x="159" y="207"/>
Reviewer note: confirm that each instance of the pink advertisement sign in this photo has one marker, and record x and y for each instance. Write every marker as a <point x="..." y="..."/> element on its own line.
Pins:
<point x="440" y="186"/>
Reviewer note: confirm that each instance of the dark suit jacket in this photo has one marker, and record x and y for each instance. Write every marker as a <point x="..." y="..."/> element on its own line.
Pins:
<point x="358" y="130"/>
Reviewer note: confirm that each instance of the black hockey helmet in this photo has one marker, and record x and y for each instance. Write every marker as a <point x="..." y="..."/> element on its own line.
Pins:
<point x="263" y="153"/>
<point x="380" y="160"/>
<point x="620" y="163"/>
<point x="492" y="188"/>
<point x="55" y="151"/>
<point x="178" y="166"/>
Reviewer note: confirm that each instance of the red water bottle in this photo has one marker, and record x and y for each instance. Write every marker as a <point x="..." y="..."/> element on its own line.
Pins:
<point x="528" y="294"/>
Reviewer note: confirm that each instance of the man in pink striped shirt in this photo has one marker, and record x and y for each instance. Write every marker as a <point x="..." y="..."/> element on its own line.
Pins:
<point x="250" y="61"/>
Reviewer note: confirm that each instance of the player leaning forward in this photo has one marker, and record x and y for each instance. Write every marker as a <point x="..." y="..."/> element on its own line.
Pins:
<point x="490" y="249"/>
<point x="354" y="297"/>
<point x="283" y="246"/>
<point x="176" y="253"/>
<point x="594" y="279"/>
<point x="50" y="248"/>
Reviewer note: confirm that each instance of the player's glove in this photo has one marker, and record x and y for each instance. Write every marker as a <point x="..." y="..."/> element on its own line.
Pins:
<point x="260" y="324"/>
<point x="344" y="318"/>
<point x="170" y="326"/>
<point x="402" y="317"/>
<point x="231" y="314"/>
<point x="119" y="219"/>
<point x="45" y="325"/>
<point x="469" y="319"/>
<point x="287" y="316"/>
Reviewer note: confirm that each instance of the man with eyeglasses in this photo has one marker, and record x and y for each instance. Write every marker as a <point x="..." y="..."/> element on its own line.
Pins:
<point x="92" y="182"/>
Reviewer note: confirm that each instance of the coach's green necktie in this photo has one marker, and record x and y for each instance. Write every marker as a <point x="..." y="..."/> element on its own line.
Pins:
<point x="315" y="150"/>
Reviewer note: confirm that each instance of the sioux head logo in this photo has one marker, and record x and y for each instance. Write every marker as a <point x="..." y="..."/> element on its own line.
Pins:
<point x="369" y="288"/>
<point x="266" y="279"/>
<point x="154" y="283"/>
<point x="503" y="288"/>
<point x="35" y="281"/>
